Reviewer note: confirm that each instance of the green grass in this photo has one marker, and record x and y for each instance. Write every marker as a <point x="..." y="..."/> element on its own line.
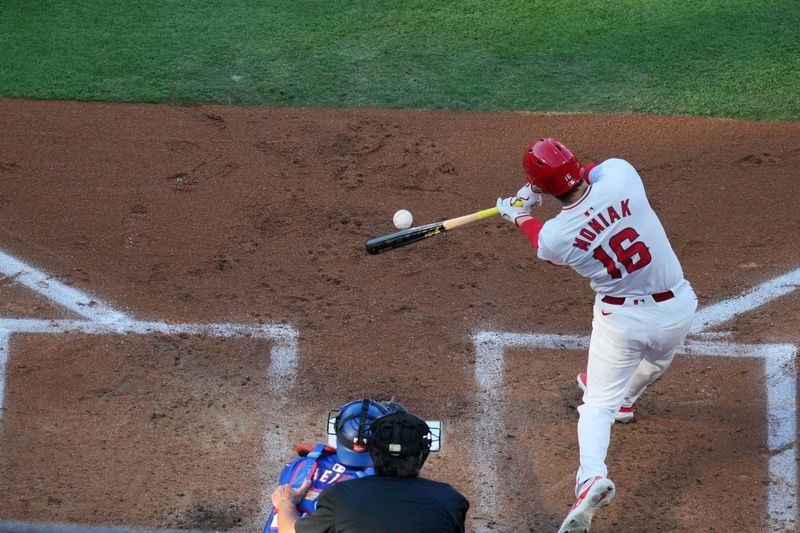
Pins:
<point x="732" y="58"/>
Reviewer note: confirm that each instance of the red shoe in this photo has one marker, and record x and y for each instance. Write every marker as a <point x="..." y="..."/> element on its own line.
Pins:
<point x="624" y="415"/>
<point x="595" y="494"/>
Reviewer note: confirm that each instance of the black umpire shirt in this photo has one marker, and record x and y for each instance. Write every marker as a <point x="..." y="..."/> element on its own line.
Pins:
<point x="378" y="504"/>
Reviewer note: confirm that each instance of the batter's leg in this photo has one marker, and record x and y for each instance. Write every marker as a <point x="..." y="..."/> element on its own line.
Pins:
<point x="676" y="319"/>
<point x="613" y="359"/>
<point x="646" y="374"/>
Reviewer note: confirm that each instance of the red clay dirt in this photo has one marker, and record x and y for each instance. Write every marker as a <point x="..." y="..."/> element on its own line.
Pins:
<point x="252" y="215"/>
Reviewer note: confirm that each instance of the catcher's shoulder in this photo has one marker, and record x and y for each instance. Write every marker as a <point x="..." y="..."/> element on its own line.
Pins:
<point x="304" y="450"/>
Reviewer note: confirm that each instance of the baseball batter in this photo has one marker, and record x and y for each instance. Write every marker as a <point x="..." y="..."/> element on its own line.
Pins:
<point x="607" y="232"/>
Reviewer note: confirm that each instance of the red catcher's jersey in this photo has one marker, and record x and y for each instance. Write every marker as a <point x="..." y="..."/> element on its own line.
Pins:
<point x="612" y="236"/>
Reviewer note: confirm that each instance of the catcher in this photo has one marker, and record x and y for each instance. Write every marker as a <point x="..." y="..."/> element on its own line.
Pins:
<point x="320" y="466"/>
<point x="395" y="500"/>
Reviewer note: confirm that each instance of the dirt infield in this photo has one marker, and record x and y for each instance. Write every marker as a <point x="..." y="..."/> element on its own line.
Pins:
<point x="255" y="216"/>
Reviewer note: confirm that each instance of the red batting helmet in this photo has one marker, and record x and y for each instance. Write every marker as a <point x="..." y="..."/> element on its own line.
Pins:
<point x="551" y="166"/>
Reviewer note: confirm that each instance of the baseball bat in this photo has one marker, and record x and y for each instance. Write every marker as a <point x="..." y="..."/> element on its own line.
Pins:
<point x="419" y="233"/>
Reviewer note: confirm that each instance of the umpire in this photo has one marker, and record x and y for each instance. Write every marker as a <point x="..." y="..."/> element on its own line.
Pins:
<point x="394" y="500"/>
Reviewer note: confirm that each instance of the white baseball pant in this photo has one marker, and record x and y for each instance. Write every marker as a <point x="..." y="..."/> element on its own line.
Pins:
<point x="631" y="346"/>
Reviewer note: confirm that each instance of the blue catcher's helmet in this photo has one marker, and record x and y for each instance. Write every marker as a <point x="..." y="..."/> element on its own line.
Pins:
<point x="352" y="431"/>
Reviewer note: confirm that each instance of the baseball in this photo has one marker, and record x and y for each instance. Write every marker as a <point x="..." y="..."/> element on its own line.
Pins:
<point x="402" y="219"/>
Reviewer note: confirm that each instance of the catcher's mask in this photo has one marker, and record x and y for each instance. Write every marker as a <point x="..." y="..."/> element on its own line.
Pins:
<point x="551" y="166"/>
<point x="402" y="434"/>
<point x="352" y="427"/>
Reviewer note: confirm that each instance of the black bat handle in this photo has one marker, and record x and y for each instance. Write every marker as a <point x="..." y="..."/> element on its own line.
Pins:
<point x="403" y="237"/>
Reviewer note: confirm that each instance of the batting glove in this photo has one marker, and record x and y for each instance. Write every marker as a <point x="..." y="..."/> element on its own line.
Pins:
<point x="511" y="212"/>
<point x="528" y="197"/>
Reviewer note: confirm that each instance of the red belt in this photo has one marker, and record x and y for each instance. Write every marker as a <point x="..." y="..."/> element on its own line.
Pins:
<point x="659" y="297"/>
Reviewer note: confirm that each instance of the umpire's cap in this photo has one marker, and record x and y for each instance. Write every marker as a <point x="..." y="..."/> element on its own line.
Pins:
<point x="401" y="434"/>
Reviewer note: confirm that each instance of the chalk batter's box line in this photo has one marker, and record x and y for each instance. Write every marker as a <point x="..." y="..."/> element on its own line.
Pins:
<point x="75" y="300"/>
<point x="781" y="388"/>
<point x="100" y="318"/>
<point x="281" y="374"/>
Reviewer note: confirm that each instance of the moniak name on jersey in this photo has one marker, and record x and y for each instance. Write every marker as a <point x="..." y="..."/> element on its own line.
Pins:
<point x="599" y="223"/>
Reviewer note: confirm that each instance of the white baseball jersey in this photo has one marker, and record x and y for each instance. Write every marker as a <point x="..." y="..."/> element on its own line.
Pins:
<point x="612" y="236"/>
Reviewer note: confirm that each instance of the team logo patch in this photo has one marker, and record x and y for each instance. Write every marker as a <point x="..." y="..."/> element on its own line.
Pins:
<point x="338" y="468"/>
<point x="311" y="495"/>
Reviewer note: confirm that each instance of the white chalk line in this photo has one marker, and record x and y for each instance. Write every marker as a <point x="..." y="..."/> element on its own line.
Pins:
<point x="5" y="337"/>
<point x="55" y="291"/>
<point x="279" y="332"/>
<point x="282" y="376"/>
<point x="102" y="319"/>
<point x="781" y="384"/>
<point x="780" y="373"/>
<point x="721" y="312"/>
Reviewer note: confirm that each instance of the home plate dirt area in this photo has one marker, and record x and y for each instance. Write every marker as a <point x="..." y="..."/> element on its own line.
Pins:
<point x="185" y="295"/>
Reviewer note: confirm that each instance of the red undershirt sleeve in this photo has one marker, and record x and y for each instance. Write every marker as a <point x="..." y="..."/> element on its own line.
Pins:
<point x="587" y="170"/>
<point x="531" y="229"/>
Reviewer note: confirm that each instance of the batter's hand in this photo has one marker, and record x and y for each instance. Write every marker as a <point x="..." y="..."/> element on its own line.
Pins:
<point x="529" y="197"/>
<point x="512" y="213"/>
